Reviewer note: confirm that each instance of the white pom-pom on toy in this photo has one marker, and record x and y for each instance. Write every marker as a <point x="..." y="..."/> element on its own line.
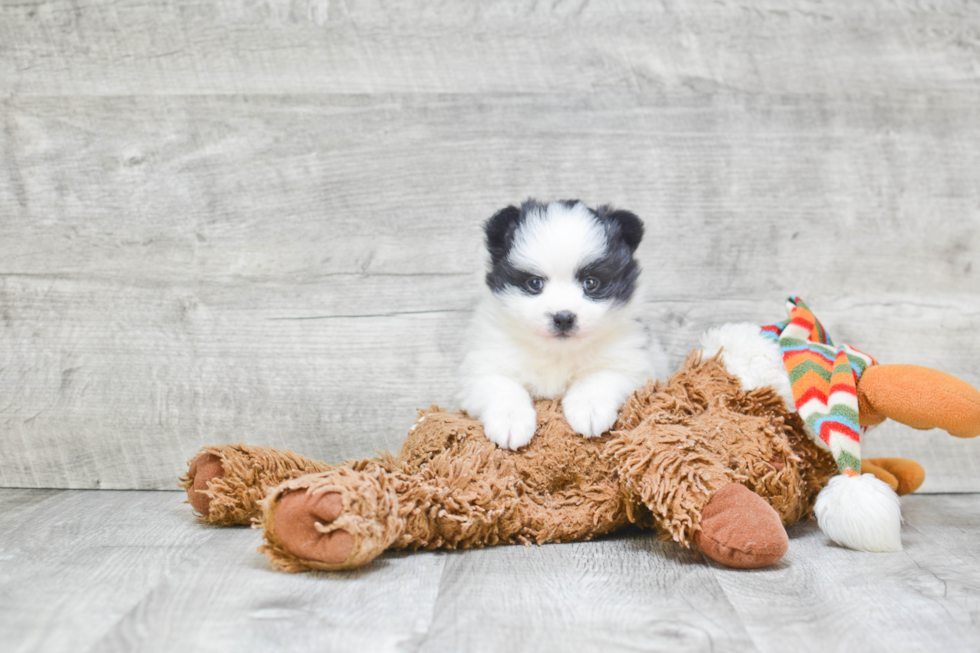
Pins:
<point x="860" y="512"/>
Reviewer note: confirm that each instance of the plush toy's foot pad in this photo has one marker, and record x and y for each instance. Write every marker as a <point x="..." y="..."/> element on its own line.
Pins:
<point x="204" y="468"/>
<point x="339" y="519"/>
<point x="902" y="475"/>
<point x="299" y="523"/>
<point x="739" y="529"/>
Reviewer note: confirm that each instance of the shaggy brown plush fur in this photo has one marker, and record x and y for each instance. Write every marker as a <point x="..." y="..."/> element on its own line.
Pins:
<point x="673" y="448"/>
<point x="225" y="483"/>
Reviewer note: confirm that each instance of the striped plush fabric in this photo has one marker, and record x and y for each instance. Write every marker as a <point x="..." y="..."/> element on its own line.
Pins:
<point x="824" y="380"/>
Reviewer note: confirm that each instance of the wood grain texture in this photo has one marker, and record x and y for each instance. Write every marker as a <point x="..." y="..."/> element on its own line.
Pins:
<point x="96" y="47"/>
<point x="622" y="593"/>
<point x="259" y="221"/>
<point x="123" y="571"/>
<point x="73" y="564"/>
<point x="851" y="597"/>
<point x="947" y="522"/>
<point x="188" y="368"/>
<point x="209" y="605"/>
<point x="880" y="195"/>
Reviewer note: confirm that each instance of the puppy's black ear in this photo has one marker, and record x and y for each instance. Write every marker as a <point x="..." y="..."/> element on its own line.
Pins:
<point x="500" y="230"/>
<point x="622" y="223"/>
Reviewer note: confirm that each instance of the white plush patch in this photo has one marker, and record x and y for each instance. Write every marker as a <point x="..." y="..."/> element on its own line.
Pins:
<point x="860" y="512"/>
<point x="750" y="356"/>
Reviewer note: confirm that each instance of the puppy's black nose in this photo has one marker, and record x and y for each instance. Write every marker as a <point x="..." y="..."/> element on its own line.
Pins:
<point x="564" y="321"/>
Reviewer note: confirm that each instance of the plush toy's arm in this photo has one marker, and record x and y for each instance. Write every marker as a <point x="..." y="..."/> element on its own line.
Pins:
<point x="919" y="397"/>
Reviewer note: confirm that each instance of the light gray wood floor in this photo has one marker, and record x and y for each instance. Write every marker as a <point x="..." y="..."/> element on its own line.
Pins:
<point x="133" y="571"/>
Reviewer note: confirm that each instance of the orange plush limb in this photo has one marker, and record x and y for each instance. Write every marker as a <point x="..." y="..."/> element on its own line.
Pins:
<point x="903" y="475"/>
<point x="919" y="397"/>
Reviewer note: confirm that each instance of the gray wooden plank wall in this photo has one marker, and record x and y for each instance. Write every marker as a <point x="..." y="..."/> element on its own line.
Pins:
<point x="259" y="221"/>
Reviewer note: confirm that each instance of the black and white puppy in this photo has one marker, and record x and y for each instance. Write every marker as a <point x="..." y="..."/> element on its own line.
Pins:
<point x="558" y="320"/>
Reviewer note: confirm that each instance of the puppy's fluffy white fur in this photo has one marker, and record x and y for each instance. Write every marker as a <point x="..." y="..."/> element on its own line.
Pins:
<point x="558" y="319"/>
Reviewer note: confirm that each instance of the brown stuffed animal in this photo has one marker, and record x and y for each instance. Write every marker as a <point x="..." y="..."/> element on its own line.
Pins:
<point x="702" y="458"/>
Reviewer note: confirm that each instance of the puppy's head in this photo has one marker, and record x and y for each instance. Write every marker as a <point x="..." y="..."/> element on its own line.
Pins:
<point x="561" y="268"/>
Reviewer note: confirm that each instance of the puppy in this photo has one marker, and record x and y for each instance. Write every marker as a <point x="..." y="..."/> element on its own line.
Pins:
<point x="557" y="320"/>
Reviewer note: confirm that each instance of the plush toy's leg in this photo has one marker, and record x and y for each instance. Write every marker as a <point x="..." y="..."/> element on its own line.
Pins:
<point x="903" y="475"/>
<point x="920" y="397"/>
<point x="670" y="473"/>
<point x="696" y="497"/>
<point x="224" y="484"/>
<point x="739" y="529"/>
<point x="347" y="516"/>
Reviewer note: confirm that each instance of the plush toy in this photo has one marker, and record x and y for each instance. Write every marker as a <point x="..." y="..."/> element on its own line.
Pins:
<point x="756" y="431"/>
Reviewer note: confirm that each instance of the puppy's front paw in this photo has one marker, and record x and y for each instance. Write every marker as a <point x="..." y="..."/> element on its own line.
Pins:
<point x="590" y="414"/>
<point x="510" y="427"/>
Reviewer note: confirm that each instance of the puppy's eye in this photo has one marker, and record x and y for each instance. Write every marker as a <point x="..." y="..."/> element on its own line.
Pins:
<point x="591" y="284"/>
<point x="534" y="285"/>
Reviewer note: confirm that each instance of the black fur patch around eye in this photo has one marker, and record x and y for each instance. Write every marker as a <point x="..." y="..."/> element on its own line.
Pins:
<point x="500" y="232"/>
<point x="617" y="271"/>
<point x="505" y="274"/>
